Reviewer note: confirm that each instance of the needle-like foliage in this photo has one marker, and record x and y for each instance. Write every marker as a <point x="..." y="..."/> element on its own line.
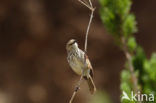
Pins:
<point x="139" y="74"/>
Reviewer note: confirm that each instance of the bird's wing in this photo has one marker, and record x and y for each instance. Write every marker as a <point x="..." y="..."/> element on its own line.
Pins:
<point x="89" y="66"/>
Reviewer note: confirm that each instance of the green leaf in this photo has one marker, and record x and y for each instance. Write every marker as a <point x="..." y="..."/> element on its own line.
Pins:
<point x="129" y="25"/>
<point x="131" y="44"/>
<point x="123" y="7"/>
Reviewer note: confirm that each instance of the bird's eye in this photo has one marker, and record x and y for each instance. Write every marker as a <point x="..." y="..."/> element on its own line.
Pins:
<point x="72" y="42"/>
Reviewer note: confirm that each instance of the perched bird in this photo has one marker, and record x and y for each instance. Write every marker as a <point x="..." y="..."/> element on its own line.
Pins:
<point x="80" y="63"/>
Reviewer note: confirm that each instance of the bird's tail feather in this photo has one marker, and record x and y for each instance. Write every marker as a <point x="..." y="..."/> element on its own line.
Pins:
<point x="91" y="85"/>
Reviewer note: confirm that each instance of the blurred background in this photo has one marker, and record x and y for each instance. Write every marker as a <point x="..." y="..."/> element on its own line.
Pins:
<point x="33" y="35"/>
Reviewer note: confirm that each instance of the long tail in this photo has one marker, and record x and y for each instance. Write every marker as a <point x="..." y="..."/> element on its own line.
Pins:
<point x="91" y="85"/>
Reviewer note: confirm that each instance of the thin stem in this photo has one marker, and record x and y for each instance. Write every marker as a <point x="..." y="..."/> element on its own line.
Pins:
<point x="76" y="89"/>
<point x="90" y="3"/>
<point x="86" y="2"/>
<point x="88" y="6"/>
<point x="87" y="32"/>
<point x="85" y="49"/>
<point x="130" y="64"/>
<point x="90" y="21"/>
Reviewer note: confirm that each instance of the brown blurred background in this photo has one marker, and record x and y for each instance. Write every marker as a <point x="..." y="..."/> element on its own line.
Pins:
<point x="33" y="35"/>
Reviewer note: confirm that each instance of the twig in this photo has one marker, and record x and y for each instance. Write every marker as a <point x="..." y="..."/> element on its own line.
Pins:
<point x="90" y="21"/>
<point x="76" y="89"/>
<point x="130" y="64"/>
<point x="88" y="6"/>
<point x="85" y="49"/>
<point x="86" y="39"/>
<point x="90" y="3"/>
<point x="131" y="68"/>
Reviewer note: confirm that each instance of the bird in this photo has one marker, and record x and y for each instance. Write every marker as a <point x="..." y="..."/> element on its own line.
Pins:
<point x="80" y="63"/>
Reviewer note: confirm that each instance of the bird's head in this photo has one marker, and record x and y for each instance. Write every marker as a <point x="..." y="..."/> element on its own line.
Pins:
<point x="71" y="44"/>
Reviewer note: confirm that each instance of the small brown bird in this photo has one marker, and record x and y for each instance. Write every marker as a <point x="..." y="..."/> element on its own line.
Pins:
<point x="80" y="63"/>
